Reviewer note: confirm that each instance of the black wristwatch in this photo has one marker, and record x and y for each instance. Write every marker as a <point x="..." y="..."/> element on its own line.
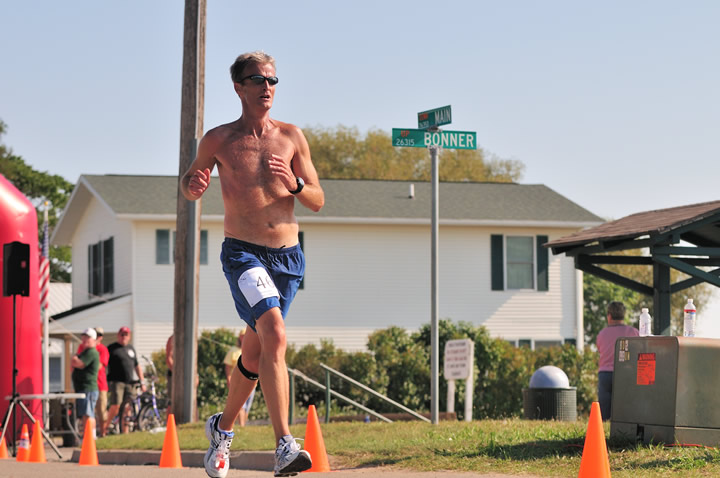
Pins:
<point x="300" y="185"/>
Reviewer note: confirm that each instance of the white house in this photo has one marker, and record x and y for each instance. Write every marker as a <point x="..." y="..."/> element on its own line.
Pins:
<point x="368" y="261"/>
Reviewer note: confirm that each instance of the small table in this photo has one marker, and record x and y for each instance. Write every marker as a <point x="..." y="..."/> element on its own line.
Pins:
<point x="39" y="396"/>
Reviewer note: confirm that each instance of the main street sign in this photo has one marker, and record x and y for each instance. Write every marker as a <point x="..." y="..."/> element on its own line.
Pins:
<point x="437" y="117"/>
<point x="418" y="138"/>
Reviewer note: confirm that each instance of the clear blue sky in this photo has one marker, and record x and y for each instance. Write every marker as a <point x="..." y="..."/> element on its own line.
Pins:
<point x="615" y="105"/>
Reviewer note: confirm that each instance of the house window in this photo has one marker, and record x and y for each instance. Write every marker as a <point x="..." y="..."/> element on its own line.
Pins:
<point x="55" y="374"/>
<point x="518" y="262"/>
<point x="165" y="248"/>
<point x="101" y="268"/>
<point x="162" y="246"/>
<point x="538" y="344"/>
<point x="543" y="344"/>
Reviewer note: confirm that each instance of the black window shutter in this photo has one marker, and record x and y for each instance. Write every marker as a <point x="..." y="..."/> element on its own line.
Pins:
<point x="496" y="262"/>
<point x="90" y="270"/>
<point x="203" y="246"/>
<point x="108" y="266"/>
<point x="542" y="263"/>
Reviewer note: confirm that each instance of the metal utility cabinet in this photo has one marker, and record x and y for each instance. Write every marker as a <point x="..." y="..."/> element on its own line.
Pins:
<point x="667" y="390"/>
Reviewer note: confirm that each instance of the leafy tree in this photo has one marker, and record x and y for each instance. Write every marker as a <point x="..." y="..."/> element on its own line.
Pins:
<point x="212" y="347"/>
<point x="40" y="187"/>
<point x="342" y="153"/>
<point x="599" y="293"/>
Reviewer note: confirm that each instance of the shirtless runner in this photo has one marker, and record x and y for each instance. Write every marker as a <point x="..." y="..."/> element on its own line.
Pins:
<point x="263" y="165"/>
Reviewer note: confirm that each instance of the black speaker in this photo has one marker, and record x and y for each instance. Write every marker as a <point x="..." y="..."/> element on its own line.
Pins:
<point x="16" y="269"/>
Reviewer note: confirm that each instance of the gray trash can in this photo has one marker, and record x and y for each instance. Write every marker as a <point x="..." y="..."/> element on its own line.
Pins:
<point x="550" y="396"/>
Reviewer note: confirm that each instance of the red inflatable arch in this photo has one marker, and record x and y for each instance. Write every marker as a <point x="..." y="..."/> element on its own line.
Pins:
<point x="18" y="222"/>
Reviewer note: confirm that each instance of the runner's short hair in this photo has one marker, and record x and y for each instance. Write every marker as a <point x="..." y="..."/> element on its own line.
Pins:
<point x="237" y="68"/>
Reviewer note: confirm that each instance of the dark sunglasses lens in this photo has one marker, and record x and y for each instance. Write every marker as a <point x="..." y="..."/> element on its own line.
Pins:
<point x="259" y="79"/>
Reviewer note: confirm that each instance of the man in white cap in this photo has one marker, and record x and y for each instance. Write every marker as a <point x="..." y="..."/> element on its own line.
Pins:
<point x="85" y="365"/>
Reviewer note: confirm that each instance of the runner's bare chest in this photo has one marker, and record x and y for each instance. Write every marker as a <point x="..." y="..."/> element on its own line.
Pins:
<point x="247" y="156"/>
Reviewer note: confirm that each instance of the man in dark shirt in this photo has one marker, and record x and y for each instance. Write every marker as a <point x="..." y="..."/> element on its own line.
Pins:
<point x="86" y="364"/>
<point x="123" y="362"/>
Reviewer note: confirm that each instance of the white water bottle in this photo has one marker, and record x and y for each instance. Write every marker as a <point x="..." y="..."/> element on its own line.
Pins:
<point x="645" y="323"/>
<point x="690" y="313"/>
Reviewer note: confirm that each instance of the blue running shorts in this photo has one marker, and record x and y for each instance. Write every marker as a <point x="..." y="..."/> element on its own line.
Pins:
<point x="261" y="277"/>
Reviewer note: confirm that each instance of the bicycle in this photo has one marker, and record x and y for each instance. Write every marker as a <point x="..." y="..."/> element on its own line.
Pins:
<point x="145" y="412"/>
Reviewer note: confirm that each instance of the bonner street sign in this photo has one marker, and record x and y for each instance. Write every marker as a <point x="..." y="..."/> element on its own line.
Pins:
<point x="417" y="138"/>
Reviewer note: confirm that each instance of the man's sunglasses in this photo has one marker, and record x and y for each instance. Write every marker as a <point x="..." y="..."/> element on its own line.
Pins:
<point x="259" y="79"/>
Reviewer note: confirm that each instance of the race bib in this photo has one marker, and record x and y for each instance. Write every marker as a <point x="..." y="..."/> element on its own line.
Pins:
<point x="256" y="284"/>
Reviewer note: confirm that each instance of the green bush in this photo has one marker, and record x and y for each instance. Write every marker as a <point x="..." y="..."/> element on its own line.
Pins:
<point x="212" y="385"/>
<point x="397" y="365"/>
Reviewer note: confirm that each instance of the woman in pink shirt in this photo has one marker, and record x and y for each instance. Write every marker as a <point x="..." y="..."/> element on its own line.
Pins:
<point x="606" y="339"/>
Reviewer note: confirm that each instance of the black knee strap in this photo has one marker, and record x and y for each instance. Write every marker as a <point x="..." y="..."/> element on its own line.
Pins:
<point x="250" y="375"/>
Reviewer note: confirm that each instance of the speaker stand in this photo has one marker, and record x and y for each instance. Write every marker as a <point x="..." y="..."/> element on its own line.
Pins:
<point x="16" y="397"/>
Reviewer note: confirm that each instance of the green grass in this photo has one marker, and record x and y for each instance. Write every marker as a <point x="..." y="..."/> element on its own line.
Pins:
<point x="513" y="447"/>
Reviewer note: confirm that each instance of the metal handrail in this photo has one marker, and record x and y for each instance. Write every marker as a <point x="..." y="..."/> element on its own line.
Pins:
<point x="336" y="394"/>
<point x="370" y="390"/>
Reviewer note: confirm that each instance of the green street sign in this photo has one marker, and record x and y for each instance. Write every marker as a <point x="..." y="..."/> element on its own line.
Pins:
<point x="437" y="117"/>
<point x="418" y="138"/>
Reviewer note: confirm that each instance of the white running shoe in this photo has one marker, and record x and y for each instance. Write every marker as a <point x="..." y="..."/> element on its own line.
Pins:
<point x="217" y="458"/>
<point x="290" y="459"/>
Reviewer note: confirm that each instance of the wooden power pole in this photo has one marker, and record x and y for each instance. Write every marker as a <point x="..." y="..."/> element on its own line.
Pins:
<point x="187" y="245"/>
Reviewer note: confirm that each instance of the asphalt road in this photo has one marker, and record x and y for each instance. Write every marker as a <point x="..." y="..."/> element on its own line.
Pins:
<point x="12" y="469"/>
<point x="67" y="468"/>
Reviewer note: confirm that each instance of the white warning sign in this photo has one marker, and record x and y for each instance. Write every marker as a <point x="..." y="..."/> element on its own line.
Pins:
<point x="458" y="359"/>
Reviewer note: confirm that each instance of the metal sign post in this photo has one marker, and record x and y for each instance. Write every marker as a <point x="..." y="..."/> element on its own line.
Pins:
<point x="434" y="295"/>
<point x="431" y="137"/>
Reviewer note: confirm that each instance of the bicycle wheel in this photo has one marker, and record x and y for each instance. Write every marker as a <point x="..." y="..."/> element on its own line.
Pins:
<point x="148" y="419"/>
<point x="128" y="416"/>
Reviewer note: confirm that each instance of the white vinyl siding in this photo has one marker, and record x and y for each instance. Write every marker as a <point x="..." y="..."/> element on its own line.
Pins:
<point x="359" y="278"/>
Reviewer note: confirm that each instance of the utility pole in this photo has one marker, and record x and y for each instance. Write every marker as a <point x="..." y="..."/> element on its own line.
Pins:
<point x="187" y="244"/>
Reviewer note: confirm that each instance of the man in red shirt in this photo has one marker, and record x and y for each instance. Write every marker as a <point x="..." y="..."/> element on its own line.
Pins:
<point x="101" y="407"/>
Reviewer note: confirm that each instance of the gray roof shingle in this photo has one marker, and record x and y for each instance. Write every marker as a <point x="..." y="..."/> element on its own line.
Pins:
<point x="364" y="199"/>
<point x="652" y="223"/>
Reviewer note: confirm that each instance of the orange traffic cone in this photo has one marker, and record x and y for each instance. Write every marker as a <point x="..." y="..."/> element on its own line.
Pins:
<point x="37" y="447"/>
<point x="594" y="463"/>
<point x="314" y="443"/>
<point x="3" y="449"/>
<point x="23" y="449"/>
<point x="170" y="456"/>
<point x="88" y="454"/>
